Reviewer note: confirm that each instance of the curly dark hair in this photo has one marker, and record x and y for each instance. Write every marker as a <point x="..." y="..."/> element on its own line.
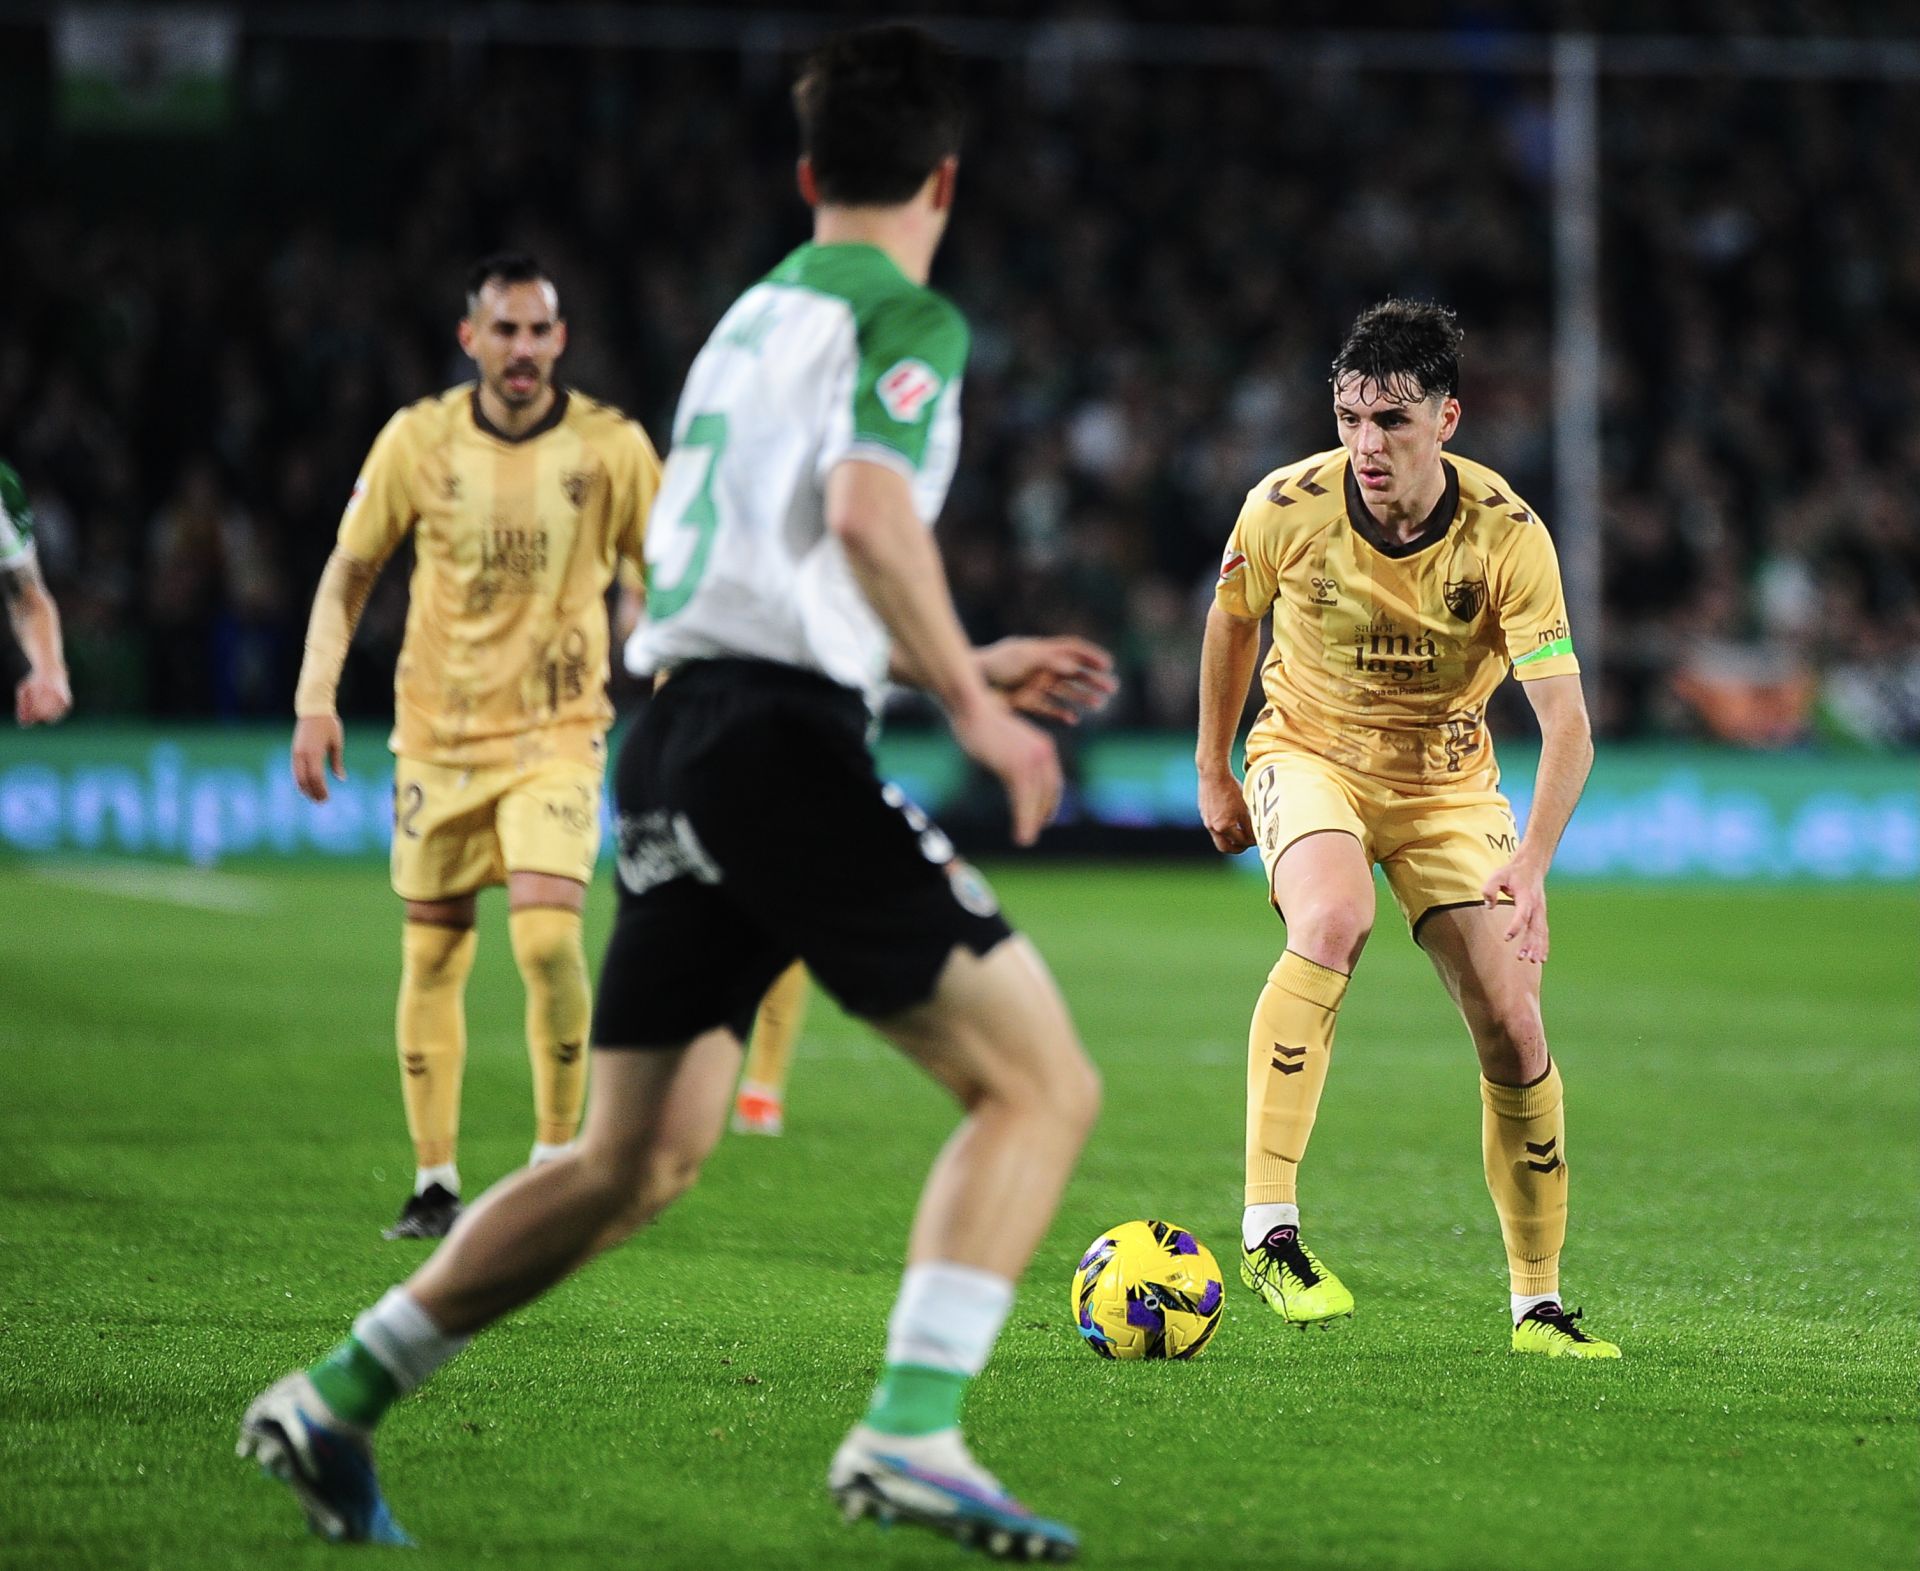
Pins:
<point x="1408" y="349"/>
<point x="879" y="108"/>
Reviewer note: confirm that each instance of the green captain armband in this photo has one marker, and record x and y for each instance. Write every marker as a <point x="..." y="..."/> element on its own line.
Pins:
<point x="1560" y="646"/>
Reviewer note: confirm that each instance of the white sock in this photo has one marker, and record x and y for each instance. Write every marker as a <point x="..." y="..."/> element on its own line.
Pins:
<point x="445" y="1174"/>
<point x="947" y="1317"/>
<point x="542" y="1152"/>
<point x="399" y="1333"/>
<point x="1525" y="1303"/>
<point x="1258" y="1221"/>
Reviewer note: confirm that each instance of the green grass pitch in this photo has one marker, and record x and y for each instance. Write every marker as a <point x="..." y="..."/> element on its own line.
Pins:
<point x="200" y="1139"/>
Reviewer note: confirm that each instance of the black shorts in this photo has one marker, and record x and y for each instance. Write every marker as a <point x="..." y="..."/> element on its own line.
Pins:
<point x="752" y="831"/>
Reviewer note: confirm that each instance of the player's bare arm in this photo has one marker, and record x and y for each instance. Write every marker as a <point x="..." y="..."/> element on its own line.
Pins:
<point x="43" y="695"/>
<point x="319" y="743"/>
<point x="1566" y="756"/>
<point x="1228" y="656"/>
<point x="870" y="510"/>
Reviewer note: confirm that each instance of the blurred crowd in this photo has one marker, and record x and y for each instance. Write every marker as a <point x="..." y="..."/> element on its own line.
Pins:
<point x="205" y="334"/>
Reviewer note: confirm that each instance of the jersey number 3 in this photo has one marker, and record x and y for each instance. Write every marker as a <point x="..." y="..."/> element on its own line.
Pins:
<point x="700" y="515"/>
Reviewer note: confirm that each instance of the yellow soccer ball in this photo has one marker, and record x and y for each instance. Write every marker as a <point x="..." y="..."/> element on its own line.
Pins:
<point x="1147" y="1290"/>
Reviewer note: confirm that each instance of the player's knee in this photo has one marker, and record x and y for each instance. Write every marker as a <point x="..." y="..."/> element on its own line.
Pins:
<point x="1512" y="1042"/>
<point x="671" y="1172"/>
<point x="436" y="957"/>
<point x="548" y="956"/>
<point x="1057" y="1085"/>
<point x="1329" y="932"/>
<point x="1076" y="1096"/>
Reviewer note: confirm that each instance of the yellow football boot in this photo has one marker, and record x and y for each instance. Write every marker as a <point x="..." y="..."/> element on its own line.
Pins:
<point x="1290" y="1277"/>
<point x="1550" y="1329"/>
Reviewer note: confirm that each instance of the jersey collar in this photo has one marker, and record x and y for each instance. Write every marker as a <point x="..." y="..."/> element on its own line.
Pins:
<point x="1431" y="532"/>
<point x="554" y="415"/>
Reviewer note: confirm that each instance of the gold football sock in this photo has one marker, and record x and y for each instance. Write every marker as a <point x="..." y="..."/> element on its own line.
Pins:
<point x="775" y="1029"/>
<point x="1523" y="1136"/>
<point x="431" y="1024"/>
<point x="547" y="947"/>
<point x="1287" y="1052"/>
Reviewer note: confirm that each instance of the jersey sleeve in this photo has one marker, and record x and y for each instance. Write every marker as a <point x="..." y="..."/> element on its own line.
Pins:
<point x="16" y="523"/>
<point x="1533" y="609"/>
<point x="381" y="509"/>
<point x="1250" y="566"/>
<point x="912" y="353"/>
<point x="636" y="502"/>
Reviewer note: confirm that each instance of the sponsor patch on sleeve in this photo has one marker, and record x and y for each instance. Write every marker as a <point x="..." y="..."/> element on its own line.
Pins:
<point x="1231" y="564"/>
<point x="907" y="389"/>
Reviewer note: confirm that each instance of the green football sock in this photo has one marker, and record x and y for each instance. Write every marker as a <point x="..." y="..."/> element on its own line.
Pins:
<point x="912" y="1399"/>
<point x="354" y="1383"/>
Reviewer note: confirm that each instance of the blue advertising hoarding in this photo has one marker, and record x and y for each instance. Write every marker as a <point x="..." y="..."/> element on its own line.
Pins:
<point x="204" y="796"/>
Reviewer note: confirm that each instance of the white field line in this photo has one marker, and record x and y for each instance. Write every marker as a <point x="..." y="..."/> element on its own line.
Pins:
<point x="196" y="888"/>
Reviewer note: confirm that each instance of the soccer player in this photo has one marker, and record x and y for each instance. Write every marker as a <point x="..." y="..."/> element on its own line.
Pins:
<point x="791" y="570"/>
<point x="522" y="496"/>
<point x="1403" y="584"/>
<point x="43" y="695"/>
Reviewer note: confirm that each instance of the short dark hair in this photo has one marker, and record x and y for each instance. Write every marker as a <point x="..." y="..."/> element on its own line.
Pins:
<point x="1408" y="349"/>
<point x="879" y="108"/>
<point x="503" y="267"/>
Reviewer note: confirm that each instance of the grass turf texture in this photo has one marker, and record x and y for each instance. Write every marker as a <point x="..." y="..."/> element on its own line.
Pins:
<point x="203" y="1139"/>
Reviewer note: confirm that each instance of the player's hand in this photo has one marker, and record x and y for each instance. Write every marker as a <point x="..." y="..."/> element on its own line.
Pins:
<point x="1022" y="756"/>
<point x="1528" y="887"/>
<point x="318" y="743"/>
<point x="1050" y="678"/>
<point x="42" y="698"/>
<point x="1223" y="809"/>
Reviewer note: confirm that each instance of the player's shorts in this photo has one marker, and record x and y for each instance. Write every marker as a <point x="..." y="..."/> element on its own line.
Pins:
<point x="752" y="831"/>
<point x="1436" y="844"/>
<point x="457" y="830"/>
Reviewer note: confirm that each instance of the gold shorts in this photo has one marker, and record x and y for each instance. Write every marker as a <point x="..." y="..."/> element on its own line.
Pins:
<point x="1436" y="844"/>
<point x="458" y="830"/>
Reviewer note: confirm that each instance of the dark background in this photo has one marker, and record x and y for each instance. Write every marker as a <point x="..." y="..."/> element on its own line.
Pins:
<point x="204" y="330"/>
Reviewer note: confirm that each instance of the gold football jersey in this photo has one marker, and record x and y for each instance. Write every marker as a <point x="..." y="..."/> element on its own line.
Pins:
<point x="1384" y="655"/>
<point x="515" y="543"/>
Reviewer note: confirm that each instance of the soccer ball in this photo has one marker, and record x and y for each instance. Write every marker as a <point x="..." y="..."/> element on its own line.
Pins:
<point x="1147" y="1290"/>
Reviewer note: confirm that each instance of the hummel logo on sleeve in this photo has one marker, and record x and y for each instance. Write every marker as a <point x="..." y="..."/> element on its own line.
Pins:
<point x="907" y="389"/>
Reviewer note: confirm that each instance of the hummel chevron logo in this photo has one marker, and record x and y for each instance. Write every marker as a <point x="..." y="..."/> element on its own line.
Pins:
<point x="1295" y="1053"/>
<point x="1544" y="1150"/>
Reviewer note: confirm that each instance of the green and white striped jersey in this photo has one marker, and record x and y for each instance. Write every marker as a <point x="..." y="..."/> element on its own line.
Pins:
<point x="16" y="522"/>
<point x="836" y="354"/>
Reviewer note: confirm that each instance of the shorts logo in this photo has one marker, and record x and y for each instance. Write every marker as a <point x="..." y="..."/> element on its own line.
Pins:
<point x="971" y="890"/>
<point x="907" y="389"/>
<point x="657" y="847"/>
<point x="1231" y="564"/>
<point x="1465" y="597"/>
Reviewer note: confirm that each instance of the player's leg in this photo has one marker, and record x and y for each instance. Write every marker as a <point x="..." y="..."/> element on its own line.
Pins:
<point x="549" y="829"/>
<point x="1321" y="882"/>
<point x="1523" y="1121"/>
<point x="759" y="1107"/>
<point x="443" y="851"/>
<point x="430" y="1025"/>
<point x="656" y="1115"/>
<point x="997" y="1035"/>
